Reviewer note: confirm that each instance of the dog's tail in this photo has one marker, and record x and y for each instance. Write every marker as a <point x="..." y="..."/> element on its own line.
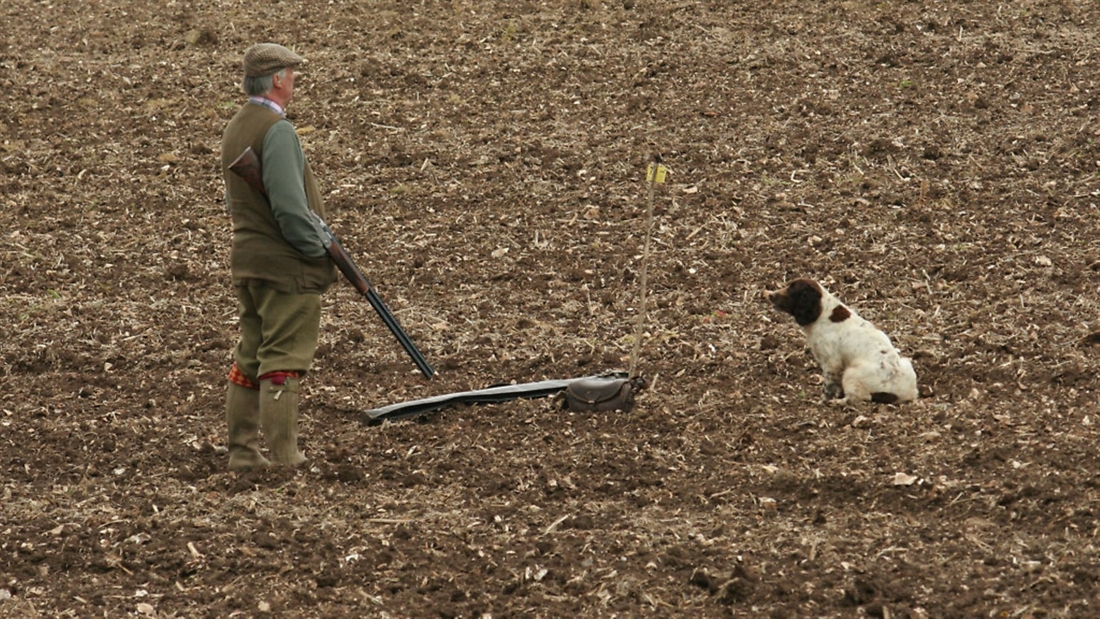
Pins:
<point x="884" y="397"/>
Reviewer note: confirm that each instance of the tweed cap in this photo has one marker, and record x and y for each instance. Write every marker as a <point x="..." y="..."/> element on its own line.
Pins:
<point x="265" y="59"/>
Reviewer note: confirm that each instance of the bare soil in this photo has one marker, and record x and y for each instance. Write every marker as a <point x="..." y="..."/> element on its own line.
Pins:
<point x="934" y="163"/>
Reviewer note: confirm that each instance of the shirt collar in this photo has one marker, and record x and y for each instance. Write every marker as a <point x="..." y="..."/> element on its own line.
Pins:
<point x="269" y="104"/>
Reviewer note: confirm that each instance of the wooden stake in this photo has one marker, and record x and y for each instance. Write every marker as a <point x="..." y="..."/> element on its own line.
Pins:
<point x="654" y="174"/>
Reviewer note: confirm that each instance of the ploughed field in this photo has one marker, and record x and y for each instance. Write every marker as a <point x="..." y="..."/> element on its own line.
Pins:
<point x="933" y="163"/>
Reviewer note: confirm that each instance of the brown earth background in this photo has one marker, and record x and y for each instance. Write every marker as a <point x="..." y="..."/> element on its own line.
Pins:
<point x="934" y="163"/>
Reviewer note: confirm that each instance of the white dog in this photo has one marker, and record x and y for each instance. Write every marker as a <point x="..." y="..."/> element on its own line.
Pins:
<point x="858" y="360"/>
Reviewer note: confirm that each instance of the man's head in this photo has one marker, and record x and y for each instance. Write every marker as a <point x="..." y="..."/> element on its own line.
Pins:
<point x="269" y="70"/>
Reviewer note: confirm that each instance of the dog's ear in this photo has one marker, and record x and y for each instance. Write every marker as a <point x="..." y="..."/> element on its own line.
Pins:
<point x="805" y="301"/>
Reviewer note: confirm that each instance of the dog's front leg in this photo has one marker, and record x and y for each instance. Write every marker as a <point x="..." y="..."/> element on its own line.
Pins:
<point x="833" y="387"/>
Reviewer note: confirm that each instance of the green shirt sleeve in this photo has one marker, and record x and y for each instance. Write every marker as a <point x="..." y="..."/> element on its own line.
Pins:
<point x="284" y="170"/>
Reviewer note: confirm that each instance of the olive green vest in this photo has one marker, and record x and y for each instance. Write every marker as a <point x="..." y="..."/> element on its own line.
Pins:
<point x="259" y="252"/>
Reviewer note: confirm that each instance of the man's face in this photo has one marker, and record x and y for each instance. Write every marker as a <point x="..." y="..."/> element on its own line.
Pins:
<point x="286" y="84"/>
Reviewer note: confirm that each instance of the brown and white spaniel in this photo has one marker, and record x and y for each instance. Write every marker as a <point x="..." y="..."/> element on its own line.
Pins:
<point x="858" y="360"/>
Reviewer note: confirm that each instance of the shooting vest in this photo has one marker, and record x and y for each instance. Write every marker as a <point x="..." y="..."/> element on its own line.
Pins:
<point x="259" y="252"/>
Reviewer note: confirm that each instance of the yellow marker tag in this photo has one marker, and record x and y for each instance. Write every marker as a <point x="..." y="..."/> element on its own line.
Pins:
<point x="655" y="173"/>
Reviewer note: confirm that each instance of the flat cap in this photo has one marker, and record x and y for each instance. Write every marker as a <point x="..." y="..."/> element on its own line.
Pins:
<point x="265" y="59"/>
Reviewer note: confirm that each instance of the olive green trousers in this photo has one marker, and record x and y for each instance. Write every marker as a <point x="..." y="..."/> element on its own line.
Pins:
<point x="279" y="331"/>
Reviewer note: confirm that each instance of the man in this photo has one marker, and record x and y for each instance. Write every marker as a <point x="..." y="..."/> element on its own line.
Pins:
<point x="279" y="265"/>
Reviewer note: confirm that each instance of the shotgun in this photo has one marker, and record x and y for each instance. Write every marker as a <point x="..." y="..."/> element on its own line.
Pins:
<point x="247" y="166"/>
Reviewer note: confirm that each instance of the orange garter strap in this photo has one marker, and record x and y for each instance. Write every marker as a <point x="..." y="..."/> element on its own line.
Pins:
<point x="238" y="378"/>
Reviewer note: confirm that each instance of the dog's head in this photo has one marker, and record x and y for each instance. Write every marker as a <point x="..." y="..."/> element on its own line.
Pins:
<point x="801" y="299"/>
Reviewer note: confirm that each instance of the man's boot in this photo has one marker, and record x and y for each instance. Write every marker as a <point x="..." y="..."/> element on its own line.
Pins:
<point x="279" y="418"/>
<point x="242" y="416"/>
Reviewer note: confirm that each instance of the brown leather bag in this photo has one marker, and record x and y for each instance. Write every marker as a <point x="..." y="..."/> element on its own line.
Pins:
<point x="603" y="393"/>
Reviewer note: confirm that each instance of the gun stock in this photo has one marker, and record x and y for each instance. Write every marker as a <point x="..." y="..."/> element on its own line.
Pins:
<point x="247" y="166"/>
